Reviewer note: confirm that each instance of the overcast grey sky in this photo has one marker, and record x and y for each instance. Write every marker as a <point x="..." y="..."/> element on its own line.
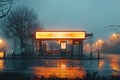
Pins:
<point x="90" y="15"/>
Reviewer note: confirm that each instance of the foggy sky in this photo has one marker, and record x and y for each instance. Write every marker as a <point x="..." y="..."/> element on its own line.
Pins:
<point x="90" y="15"/>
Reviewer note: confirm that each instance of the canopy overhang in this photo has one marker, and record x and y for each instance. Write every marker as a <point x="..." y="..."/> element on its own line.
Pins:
<point x="51" y="35"/>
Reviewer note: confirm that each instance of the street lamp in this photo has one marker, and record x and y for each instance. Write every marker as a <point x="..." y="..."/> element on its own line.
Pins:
<point x="116" y="40"/>
<point x="99" y="43"/>
<point x="115" y="35"/>
<point x="0" y="40"/>
<point x="3" y="44"/>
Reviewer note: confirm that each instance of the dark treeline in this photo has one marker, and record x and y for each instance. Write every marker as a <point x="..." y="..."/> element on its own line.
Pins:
<point x="108" y="48"/>
<point x="112" y="47"/>
<point x="21" y="28"/>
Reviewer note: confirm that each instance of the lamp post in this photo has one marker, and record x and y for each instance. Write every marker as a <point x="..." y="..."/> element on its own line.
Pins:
<point x="116" y="40"/>
<point x="115" y="36"/>
<point x="99" y="44"/>
<point x="91" y="42"/>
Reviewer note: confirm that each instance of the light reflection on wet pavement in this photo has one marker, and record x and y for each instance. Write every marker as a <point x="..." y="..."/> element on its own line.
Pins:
<point x="110" y="65"/>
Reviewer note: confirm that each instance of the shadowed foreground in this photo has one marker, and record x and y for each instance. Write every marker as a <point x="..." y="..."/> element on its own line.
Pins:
<point x="21" y="76"/>
<point x="13" y="76"/>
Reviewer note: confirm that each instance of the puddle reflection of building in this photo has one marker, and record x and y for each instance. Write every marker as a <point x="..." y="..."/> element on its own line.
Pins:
<point x="2" y="64"/>
<point x="60" y="69"/>
<point x="53" y="62"/>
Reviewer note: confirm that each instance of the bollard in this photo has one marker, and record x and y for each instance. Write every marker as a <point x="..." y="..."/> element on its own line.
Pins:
<point x="91" y="55"/>
<point x="98" y="54"/>
<point x="13" y="54"/>
<point x="4" y="55"/>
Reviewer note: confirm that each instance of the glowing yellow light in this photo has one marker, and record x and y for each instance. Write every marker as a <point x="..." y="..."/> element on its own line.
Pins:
<point x="115" y="64"/>
<point x="87" y="44"/>
<point x="63" y="45"/>
<point x="61" y="71"/>
<point x="58" y="42"/>
<point x="114" y="35"/>
<point x="1" y="54"/>
<point x="2" y="64"/>
<point x="0" y="40"/>
<point x="96" y="43"/>
<point x="76" y="42"/>
<point x="69" y="72"/>
<point x="63" y="66"/>
<point x="101" y="64"/>
<point x="70" y="42"/>
<point x="100" y="41"/>
<point x="61" y="35"/>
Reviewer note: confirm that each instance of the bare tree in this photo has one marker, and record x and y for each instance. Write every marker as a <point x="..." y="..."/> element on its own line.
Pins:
<point x="5" y="6"/>
<point x="20" y="24"/>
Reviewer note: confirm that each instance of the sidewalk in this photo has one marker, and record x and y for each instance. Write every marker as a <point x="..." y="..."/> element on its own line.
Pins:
<point x="52" y="57"/>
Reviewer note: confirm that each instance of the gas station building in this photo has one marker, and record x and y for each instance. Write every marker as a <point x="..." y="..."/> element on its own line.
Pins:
<point x="60" y="43"/>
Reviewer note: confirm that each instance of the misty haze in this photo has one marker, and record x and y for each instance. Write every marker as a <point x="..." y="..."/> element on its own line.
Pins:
<point x="59" y="40"/>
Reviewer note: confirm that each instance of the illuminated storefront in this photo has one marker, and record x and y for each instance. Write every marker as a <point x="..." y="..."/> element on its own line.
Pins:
<point x="2" y="54"/>
<point x="60" y="43"/>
